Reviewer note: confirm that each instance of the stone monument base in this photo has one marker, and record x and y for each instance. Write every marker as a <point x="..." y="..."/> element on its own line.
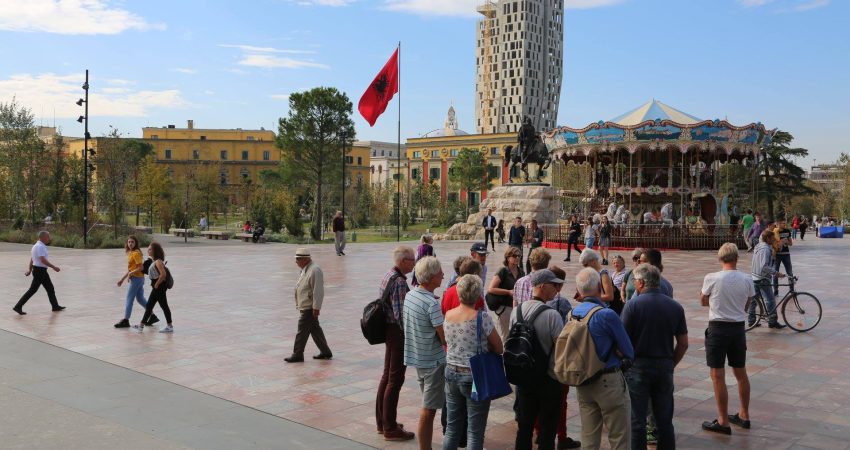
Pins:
<point x="528" y="201"/>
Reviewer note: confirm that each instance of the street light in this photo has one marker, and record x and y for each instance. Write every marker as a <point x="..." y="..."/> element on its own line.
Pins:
<point x="343" y="138"/>
<point x="86" y="166"/>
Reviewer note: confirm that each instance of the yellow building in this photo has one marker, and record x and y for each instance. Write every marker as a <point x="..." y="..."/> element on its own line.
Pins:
<point x="357" y="170"/>
<point x="431" y="156"/>
<point x="241" y="154"/>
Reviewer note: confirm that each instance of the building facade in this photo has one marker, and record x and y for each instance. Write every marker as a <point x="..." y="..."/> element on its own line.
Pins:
<point x="519" y="64"/>
<point x="829" y="177"/>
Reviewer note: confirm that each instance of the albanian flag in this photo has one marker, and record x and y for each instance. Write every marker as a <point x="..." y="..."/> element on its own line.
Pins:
<point x="374" y="101"/>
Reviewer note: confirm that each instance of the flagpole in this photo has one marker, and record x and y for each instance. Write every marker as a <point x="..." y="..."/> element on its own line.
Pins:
<point x="398" y="147"/>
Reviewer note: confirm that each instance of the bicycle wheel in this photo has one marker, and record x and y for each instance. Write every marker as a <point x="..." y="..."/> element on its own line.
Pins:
<point x="801" y="311"/>
<point x="760" y="314"/>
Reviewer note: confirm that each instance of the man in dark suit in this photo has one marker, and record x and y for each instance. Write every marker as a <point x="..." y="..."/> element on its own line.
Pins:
<point x="489" y="224"/>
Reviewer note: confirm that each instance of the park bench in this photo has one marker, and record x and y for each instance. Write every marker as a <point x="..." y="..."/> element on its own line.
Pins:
<point x="247" y="237"/>
<point x="183" y="232"/>
<point x="217" y="234"/>
<point x="147" y="230"/>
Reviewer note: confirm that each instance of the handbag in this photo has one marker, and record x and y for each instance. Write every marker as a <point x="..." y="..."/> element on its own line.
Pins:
<point x="488" y="372"/>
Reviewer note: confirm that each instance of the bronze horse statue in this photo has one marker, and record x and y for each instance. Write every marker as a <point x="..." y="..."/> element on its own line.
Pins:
<point x="531" y="149"/>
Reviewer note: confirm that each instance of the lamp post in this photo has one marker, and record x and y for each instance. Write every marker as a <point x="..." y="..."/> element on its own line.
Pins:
<point x="85" y="120"/>
<point x="344" y="138"/>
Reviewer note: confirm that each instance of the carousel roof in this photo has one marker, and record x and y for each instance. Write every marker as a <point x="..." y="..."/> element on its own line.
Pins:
<point x="653" y="110"/>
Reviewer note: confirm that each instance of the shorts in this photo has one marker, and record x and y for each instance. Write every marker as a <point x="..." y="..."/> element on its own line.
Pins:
<point x="432" y="382"/>
<point x="605" y="242"/>
<point x="725" y="340"/>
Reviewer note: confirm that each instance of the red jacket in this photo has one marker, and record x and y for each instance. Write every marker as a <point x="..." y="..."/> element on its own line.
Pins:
<point x="452" y="301"/>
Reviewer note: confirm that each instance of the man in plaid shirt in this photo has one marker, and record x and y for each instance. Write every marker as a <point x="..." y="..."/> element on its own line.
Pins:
<point x="386" y="403"/>
<point x="539" y="259"/>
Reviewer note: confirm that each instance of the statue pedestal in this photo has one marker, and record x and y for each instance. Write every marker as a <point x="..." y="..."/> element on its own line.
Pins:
<point x="528" y="201"/>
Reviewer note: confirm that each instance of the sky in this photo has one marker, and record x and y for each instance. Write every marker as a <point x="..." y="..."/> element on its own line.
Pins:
<point x="227" y="64"/>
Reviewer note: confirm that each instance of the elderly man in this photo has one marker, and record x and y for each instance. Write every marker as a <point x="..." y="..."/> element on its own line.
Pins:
<point x="386" y="402"/>
<point x="653" y="321"/>
<point x="309" y="293"/>
<point x="606" y="398"/>
<point x="762" y="273"/>
<point x="38" y="266"/>
<point x="422" y="322"/>
<point x="478" y="252"/>
<point x="727" y="293"/>
<point x="339" y="233"/>
<point x="540" y="401"/>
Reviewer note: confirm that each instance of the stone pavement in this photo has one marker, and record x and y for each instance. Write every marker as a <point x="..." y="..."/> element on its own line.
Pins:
<point x="235" y="321"/>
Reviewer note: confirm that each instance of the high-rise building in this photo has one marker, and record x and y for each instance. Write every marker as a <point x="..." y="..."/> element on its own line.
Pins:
<point x="519" y="64"/>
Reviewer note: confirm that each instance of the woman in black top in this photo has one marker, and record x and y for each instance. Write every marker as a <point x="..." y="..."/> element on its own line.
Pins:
<point x="500" y="295"/>
<point x="500" y="230"/>
<point x="573" y="237"/>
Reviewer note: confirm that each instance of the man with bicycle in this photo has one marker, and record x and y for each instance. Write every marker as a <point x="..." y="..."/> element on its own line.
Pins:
<point x="763" y="272"/>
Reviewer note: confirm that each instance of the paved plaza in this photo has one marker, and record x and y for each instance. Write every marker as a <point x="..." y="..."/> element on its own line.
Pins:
<point x="235" y="321"/>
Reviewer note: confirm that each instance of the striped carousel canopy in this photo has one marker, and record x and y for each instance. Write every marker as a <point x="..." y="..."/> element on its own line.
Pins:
<point x="654" y="110"/>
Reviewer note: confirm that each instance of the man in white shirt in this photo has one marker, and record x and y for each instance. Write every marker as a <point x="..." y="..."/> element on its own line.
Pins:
<point x="727" y="294"/>
<point x="38" y="268"/>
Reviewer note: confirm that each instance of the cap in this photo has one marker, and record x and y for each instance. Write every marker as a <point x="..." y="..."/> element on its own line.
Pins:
<point x="479" y="248"/>
<point x="302" y="252"/>
<point x="544" y="276"/>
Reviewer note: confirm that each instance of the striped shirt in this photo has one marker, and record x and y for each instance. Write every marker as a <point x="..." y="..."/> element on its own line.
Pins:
<point x="396" y="299"/>
<point x="422" y="316"/>
<point x="522" y="290"/>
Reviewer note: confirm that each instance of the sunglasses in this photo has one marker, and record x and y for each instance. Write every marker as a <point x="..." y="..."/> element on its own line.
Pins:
<point x="636" y="258"/>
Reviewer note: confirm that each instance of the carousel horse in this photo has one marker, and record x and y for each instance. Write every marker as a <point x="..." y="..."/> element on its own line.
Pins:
<point x="667" y="214"/>
<point x="622" y="214"/>
<point x="612" y="210"/>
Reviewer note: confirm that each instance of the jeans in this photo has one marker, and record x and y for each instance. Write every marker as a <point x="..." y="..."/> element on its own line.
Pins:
<point x="386" y="402"/>
<point x="588" y="242"/>
<point x="785" y="260"/>
<point x="135" y="291"/>
<point x="542" y="402"/>
<point x="652" y="379"/>
<point x="766" y="290"/>
<point x="793" y="233"/>
<point x="459" y="401"/>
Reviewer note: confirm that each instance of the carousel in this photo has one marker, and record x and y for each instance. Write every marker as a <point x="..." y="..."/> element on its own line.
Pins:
<point x="658" y="167"/>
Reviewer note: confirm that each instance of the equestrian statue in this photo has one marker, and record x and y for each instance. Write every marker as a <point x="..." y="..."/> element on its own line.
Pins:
<point x="530" y="149"/>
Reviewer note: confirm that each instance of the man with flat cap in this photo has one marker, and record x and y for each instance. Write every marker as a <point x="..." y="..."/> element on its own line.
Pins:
<point x="309" y="293"/>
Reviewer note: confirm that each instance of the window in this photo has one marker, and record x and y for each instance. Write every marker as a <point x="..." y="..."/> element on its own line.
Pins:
<point x="474" y="198"/>
<point x="154" y="136"/>
<point x="382" y="153"/>
<point x="417" y="154"/>
<point x="494" y="150"/>
<point x="434" y="173"/>
<point x="244" y="155"/>
<point x="435" y="153"/>
<point x="203" y="138"/>
<point x="349" y="160"/>
<point x="222" y="177"/>
<point x="414" y="173"/>
<point x="454" y="152"/>
<point x="244" y="173"/>
<point x="359" y="160"/>
<point x="249" y="138"/>
<point x="451" y="197"/>
<point x="196" y="154"/>
<point x="514" y="171"/>
<point x="267" y="155"/>
<point x="168" y="153"/>
<point x="492" y="171"/>
<point x="223" y="155"/>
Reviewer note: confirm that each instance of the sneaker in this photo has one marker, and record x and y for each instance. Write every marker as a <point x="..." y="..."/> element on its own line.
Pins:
<point x="568" y="443"/>
<point x="651" y="439"/>
<point x="123" y="324"/>
<point x="737" y="420"/>
<point x="152" y="320"/>
<point x="776" y="325"/>
<point x="139" y="328"/>
<point x="167" y="329"/>
<point x="715" y="427"/>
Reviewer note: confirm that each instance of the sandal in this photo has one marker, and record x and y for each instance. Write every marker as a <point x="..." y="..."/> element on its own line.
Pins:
<point x="737" y="420"/>
<point x="715" y="427"/>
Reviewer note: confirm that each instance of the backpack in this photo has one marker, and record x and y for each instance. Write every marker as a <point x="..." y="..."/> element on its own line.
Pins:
<point x="576" y="360"/>
<point x="525" y="360"/>
<point x="169" y="279"/>
<point x="373" y="324"/>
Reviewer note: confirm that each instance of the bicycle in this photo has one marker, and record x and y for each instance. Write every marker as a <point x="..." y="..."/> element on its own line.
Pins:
<point x="801" y="311"/>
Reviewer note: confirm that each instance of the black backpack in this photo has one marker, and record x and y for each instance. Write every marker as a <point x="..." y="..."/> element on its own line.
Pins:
<point x="525" y="360"/>
<point x="373" y="324"/>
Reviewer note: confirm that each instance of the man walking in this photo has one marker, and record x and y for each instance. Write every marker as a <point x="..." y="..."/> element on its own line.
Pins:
<point x="653" y="321"/>
<point x="783" y="255"/>
<point x="727" y="294"/>
<point x="489" y="224"/>
<point x="762" y="273"/>
<point x="535" y="240"/>
<point x="38" y="266"/>
<point x="422" y="321"/>
<point x="572" y="238"/>
<point x="386" y="403"/>
<point x="747" y="224"/>
<point x="309" y="293"/>
<point x="339" y="233"/>
<point x="605" y="399"/>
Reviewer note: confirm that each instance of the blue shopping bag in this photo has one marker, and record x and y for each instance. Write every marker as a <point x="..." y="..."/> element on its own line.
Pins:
<point x="488" y="372"/>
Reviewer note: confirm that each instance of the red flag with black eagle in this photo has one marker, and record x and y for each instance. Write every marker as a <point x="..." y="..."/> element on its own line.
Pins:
<point x="374" y="101"/>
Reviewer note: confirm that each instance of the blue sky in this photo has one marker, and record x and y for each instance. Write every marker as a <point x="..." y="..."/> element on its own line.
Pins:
<point x="232" y="64"/>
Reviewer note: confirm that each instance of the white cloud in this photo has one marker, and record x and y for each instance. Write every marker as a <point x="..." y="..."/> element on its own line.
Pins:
<point x="185" y="70"/>
<point x="467" y="8"/>
<point x="787" y="6"/>
<point x="69" y="17"/>
<point x="62" y="91"/>
<point x="809" y="5"/>
<point x="268" y="57"/>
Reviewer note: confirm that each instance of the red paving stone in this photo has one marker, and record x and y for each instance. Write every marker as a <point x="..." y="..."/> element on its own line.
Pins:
<point x="235" y="322"/>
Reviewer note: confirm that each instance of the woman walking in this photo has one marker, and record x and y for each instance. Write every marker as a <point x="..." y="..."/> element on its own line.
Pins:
<point x="135" y="278"/>
<point x="425" y="249"/>
<point x="604" y="232"/>
<point x="573" y="237"/>
<point x="468" y="332"/>
<point x="804" y="224"/>
<point x="589" y="234"/>
<point x="158" y="275"/>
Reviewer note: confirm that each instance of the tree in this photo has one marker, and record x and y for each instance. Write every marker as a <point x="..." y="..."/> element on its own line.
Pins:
<point x="207" y="188"/>
<point x="138" y="151"/>
<point x="115" y="161"/>
<point x="469" y="171"/>
<point x="311" y="137"/>
<point x="424" y="198"/>
<point x="27" y="160"/>
<point x="154" y="190"/>
<point x="780" y="176"/>
<point x="382" y="209"/>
